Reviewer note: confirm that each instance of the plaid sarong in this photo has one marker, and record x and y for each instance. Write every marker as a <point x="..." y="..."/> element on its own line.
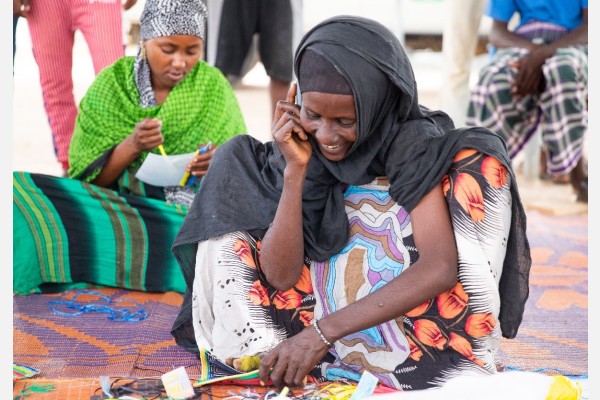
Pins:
<point x="559" y="112"/>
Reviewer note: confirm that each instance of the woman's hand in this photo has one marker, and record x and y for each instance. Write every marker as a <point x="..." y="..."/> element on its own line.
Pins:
<point x="146" y="136"/>
<point x="289" y="363"/>
<point x="199" y="164"/>
<point x="288" y="133"/>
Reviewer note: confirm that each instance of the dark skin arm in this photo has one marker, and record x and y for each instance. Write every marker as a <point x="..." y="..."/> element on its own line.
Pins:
<point x="199" y="164"/>
<point x="529" y="78"/>
<point x="146" y="136"/>
<point x="282" y="248"/>
<point x="434" y="272"/>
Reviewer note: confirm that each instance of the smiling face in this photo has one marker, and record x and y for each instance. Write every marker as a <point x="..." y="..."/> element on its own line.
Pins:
<point x="171" y="58"/>
<point x="331" y="120"/>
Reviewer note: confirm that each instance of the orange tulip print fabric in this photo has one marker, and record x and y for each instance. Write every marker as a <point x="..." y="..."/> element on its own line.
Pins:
<point x="235" y="310"/>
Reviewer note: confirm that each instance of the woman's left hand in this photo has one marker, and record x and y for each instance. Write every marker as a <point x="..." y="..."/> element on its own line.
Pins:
<point x="289" y="363"/>
<point x="199" y="164"/>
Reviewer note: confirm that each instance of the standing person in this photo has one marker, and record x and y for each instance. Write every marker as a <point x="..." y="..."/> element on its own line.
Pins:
<point x="52" y="26"/>
<point x="538" y="79"/>
<point x="459" y="40"/>
<point x="329" y="268"/>
<point x="273" y="21"/>
<point x="105" y="226"/>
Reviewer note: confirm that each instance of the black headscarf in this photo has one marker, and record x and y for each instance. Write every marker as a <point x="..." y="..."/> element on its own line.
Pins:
<point x="398" y="138"/>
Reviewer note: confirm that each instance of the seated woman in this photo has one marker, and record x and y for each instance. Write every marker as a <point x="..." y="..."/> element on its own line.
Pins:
<point x="105" y="226"/>
<point x="295" y="248"/>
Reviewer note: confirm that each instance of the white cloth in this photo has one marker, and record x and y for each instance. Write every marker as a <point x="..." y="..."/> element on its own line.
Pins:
<point x="225" y="322"/>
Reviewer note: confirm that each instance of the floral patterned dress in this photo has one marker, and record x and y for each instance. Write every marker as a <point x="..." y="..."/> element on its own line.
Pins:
<point x="237" y="313"/>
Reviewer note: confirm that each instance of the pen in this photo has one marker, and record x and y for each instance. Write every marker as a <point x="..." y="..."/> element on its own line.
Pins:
<point x="186" y="175"/>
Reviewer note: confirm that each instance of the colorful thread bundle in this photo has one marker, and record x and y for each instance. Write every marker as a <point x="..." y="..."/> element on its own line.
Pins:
<point x="32" y="389"/>
<point x="103" y="304"/>
<point x="23" y="371"/>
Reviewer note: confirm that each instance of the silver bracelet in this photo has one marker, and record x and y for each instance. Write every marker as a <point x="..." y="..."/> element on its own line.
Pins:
<point x="323" y="338"/>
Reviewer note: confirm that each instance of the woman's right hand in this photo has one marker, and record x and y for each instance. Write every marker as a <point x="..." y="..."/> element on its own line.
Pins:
<point x="289" y="134"/>
<point x="291" y="361"/>
<point x="147" y="135"/>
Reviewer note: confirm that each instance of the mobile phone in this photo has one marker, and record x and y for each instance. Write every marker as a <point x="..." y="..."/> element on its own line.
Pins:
<point x="298" y="95"/>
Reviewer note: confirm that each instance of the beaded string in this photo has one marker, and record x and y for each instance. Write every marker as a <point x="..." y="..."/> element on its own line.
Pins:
<point x="323" y="338"/>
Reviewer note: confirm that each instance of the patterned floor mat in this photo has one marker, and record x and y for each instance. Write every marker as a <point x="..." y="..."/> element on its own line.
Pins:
<point x="72" y="352"/>
<point x="554" y="332"/>
<point x="90" y="344"/>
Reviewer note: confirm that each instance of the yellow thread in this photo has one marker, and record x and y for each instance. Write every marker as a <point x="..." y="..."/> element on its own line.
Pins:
<point x="336" y="391"/>
<point x="249" y="363"/>
<point x="162" y="150"/>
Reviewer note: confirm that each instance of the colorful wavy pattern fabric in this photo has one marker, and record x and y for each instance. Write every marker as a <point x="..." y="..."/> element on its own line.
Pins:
<point x="68" y="233"/>
<point x="453" y="334"/>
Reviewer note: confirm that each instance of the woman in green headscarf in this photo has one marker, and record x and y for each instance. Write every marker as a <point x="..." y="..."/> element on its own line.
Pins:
<point x="104" y="226"/>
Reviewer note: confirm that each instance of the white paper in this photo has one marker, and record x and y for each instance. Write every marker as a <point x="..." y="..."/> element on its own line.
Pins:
<point x="366" y="386"/>
<point x="177" y="384"/>
<point x="159" y="170"/>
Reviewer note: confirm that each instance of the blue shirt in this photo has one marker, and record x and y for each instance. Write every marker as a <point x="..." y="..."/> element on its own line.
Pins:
<point x="566" y="13"/>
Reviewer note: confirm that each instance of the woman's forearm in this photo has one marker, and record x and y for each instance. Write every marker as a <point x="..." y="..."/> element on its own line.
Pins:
<point x="282" y="248"/>
<point x="122" y="156"/>
<point x="434" y="272"/>
<point x="399" y="296"/>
